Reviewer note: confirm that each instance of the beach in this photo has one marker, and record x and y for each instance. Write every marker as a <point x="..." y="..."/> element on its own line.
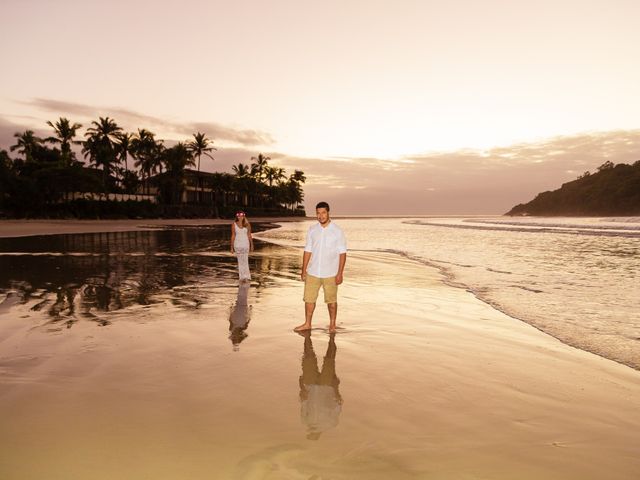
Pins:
<point x="204" y="380"/>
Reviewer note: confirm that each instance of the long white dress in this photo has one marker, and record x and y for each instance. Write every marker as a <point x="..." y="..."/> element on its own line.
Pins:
<point x="241" y="247"/>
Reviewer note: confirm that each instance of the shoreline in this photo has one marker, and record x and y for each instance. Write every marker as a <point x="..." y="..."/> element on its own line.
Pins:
<point x="449" y="279"/>
<point x="26" y="228"/>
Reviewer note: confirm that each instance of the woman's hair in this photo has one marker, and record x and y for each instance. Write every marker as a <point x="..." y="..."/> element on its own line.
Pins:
<point x="244" y="222"/>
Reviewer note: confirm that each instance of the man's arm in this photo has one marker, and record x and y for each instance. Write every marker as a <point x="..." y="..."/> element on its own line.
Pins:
<point x="342" y="248"/>
<point x="306" y="256"/>
<point x="343" y="260"/>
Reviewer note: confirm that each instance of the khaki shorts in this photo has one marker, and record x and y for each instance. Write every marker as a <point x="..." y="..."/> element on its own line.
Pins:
<point x="312" y="287"/>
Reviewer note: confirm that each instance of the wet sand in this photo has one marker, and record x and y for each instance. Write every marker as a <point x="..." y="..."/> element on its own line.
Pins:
<point x="425" y="382"/>
<point x="22" y="228"/>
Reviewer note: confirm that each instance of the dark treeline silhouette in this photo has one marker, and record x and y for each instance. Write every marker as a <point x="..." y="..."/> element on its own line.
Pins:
<point x="126" y="174"/>
<point x="612" y="190"/>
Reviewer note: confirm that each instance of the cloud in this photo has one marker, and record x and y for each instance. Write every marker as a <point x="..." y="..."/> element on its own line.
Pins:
<point x="247" y="138"/>
<point x="132" y="120"/>
<point x="9" y="128"/>
<point x="459" y="182"/>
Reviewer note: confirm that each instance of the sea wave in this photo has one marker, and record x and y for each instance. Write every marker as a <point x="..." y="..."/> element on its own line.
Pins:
<point x="535" y="227"/>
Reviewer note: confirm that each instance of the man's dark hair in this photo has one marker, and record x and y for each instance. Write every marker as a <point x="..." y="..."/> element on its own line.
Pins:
<point x="323" y="205"/>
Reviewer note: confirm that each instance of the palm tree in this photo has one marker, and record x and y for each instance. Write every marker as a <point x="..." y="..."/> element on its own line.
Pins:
<point x="158" y="163"/>
<point x="104" y="129"/>
<point x="259" y="166"/>
<point x="176" y="159"/>
<point x="274" y="174"/>
<point x="298" y="176"/>
<point x="269" y="174"/>
<point x="279" y="175"/>
<point x="241" y="181"/>
<point x="241" y="170"/>
<point x="294" y="192"/>
<point x="146" y="151"/>
<point x="129" y="181"/>
<point x="100" y="145"/>
<point x="124" y="147"/>
<point x="27" y="144"/>
<point x="198" y="146"/>
<point x="222" y="184"/>
<point x="64" y="132"/>
<point x="6" y="175"/>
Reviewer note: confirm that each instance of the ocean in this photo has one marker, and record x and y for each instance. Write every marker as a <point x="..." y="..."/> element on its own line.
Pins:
<point x="577" y="279"/>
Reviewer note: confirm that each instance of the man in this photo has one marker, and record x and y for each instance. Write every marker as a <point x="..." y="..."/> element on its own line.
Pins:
<point x="325" y="255"/>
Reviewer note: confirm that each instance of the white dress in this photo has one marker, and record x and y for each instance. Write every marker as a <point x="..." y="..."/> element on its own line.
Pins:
<point x="241" y="247"/>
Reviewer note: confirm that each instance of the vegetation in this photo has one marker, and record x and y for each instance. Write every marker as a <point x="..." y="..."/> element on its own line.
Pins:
<point x="198" y="146"/>
<point x="47" y="180"/>
<point x="612" y="190"/>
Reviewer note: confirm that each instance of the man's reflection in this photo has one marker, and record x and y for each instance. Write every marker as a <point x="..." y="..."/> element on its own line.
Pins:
<point x="320" y="398"/>
<point x="239" y="317"/>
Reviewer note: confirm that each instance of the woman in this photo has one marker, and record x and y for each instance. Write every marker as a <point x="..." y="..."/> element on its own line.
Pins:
<point x="242" y="244"/>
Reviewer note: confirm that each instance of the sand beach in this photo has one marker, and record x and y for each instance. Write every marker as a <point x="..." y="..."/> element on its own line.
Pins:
<point x="203" y="380"/>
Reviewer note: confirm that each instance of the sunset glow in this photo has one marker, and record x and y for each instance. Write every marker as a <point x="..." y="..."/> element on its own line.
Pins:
<point x="338" y="80"/>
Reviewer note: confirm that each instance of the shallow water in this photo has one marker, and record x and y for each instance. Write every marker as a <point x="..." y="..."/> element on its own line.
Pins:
<point x="64" y="279"/>
<point x="576" y="279"/>
<point x="139" y="356"/>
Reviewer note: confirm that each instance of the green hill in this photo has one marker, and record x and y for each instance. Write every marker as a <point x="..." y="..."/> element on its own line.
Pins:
<point x="612" y="190"/>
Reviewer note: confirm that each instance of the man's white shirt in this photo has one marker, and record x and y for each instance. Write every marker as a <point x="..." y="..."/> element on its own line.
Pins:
<point x="325" y="245"/>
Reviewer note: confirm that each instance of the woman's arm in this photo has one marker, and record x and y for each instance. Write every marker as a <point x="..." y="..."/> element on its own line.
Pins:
<point x="250" y="237"/>
<point x="233" y="237"/>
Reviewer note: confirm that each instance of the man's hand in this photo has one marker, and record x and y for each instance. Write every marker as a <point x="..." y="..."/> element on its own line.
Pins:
<point x="339" y="279"/>
<point x="306" y="257"/>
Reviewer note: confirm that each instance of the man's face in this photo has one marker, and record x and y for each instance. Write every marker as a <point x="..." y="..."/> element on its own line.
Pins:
<point x="323" y="215"/>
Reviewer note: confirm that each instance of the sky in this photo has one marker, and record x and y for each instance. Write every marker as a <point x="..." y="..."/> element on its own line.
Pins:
<point x="389" y="107"/>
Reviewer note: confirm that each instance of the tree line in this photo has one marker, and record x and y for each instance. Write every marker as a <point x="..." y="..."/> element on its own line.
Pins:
<point x="47" y="171"/>
<point x="611" y="190"/>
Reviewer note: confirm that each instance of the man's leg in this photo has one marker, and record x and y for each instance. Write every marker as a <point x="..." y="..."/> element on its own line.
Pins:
<point x="311" y="288"/>
<point x="308" y="316"/>
<point x="333" y="313"/>
<point x="308" y="312"/>
<point x="331" y="298"/>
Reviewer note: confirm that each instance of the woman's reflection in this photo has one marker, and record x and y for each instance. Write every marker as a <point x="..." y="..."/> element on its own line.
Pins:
<point x="320" y="398"/>
<point x="239" y="317"/>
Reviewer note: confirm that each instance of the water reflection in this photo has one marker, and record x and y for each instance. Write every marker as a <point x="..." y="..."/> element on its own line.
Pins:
<point x="240" y="317"/>
<point x="69" y="278"/>
<point x="320" y="399"/>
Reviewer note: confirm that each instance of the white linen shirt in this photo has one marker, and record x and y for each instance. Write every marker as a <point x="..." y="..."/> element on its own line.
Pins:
<point x="325" y="245"/>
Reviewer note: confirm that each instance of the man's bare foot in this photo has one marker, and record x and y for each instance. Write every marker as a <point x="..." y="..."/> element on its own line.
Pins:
<point x="302" y="328"/>
<point x="333" y="328"/>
